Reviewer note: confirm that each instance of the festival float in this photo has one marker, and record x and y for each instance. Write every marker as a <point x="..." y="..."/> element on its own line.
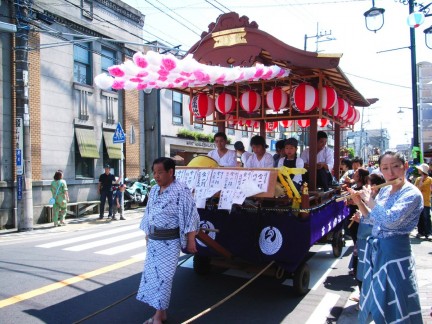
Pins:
<point x="238" y="75"/>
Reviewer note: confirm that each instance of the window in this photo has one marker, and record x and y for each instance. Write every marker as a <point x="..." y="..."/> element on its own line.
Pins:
<point x="82" y="63"/>
<point x="271" y="134"/>
<point x="86" y="152"/>
<point x="245" y="132"/>
<point x="87" y="8"/>
<point x="177" y="108"/>
<point x="108" y="58"/>
<point x="215" y="128"/>
<point x="197" y="125"/>
<point x="231" y="130"/>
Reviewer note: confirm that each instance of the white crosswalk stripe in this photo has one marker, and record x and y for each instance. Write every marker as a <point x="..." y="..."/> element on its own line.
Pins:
<point x="123" y="248"/>
<point x="114" y="241"/>
<point x="107" y="241"/>
<point x="88" y="237"/>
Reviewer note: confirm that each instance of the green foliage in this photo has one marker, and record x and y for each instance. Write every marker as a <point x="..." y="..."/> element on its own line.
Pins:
<point x="197" y="136"/>
<point x="351" y="152"/>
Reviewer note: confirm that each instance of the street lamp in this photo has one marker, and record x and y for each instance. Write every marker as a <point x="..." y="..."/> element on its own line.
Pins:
<point x="372" y="19"/>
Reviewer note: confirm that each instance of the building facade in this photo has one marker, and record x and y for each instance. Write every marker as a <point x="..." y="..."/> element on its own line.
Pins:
<point x="425" y="107"/>
<point x="71" y="121"/>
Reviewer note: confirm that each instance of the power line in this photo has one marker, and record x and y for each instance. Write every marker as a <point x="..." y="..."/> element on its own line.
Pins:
<point x="214" y="6"/>
<point x="172" y="17"/>
<point x="177" y="14"/>
<point x="229" y="10"/>
<point x="377" y="81"/>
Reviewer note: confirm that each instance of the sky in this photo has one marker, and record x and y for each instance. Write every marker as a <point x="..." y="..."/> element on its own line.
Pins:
<point x="385" y="75"/>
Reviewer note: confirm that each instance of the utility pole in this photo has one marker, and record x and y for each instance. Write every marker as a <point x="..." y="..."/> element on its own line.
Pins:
<point x="23" y="154"/>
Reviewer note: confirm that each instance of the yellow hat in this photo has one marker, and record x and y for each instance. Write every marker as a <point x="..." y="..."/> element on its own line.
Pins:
<point x="203" y="161"/>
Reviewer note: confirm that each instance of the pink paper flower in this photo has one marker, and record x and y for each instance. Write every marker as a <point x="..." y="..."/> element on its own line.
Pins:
<point x="140" y="60"/>
<point x="163" y="72"/>
<point x="118" y="84"/>
<point x="135" y="79"/>
<point x="116" y="71"/>
<point x="168" y="64"/>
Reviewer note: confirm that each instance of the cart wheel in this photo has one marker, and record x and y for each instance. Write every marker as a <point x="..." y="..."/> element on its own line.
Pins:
<point x="301" y="279"/>
<point x="201" y="264"/>
<point x="337" y="244"/>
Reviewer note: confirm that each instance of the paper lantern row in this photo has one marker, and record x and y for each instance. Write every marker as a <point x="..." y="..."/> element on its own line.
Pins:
<point x="272" y="125"/>
<point x="304" y="98"/>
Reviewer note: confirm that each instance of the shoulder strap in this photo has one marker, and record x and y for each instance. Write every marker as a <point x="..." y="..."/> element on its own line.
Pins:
<point x="58" y="187"/>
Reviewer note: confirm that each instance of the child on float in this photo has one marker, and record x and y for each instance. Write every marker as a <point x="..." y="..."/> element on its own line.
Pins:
<point x="290" y="160"/>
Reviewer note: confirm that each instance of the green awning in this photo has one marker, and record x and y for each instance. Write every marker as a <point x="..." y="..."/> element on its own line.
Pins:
<point x="114" y="150"/>
<point x="86" y="139"/>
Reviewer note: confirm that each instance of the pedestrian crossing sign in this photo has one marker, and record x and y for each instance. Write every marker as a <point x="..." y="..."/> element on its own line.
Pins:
<point x="119" y="135"/>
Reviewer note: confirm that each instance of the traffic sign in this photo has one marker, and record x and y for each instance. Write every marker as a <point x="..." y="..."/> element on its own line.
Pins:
<point x="19" y="164"/>
<point x="119" y="135"/>
<point x="19" y="187"/>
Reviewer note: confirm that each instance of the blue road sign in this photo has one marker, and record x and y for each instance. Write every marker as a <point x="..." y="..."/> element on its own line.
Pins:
<point x="19" y="165"/>
<point x="119" y="135"/>
<point x="19" y="187"/>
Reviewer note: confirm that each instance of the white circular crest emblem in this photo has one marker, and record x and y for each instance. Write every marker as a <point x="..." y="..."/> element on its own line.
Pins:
<point x="207" y="224"/>
<point x="270" y="240"/>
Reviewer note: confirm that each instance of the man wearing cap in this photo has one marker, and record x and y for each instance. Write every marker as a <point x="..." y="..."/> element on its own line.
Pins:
<point x="424" y="183"/>
<point x="106" y="180"/>
<point x="260" y="158"/>
<point x="240" y="150"/>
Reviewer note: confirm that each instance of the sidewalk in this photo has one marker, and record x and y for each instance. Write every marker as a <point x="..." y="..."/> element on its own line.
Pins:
<point x="72" y="224"/>
<point x="422" y="251"/>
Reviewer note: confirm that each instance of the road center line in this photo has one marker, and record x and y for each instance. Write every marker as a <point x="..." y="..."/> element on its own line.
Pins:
<point x="46" y="289"/>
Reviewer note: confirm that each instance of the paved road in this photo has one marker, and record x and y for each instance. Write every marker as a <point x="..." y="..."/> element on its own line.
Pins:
<point x="63" y="275"/>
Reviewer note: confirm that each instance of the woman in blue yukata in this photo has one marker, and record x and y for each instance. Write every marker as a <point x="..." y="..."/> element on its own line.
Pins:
<point x="170" y="223"/>
<point x="389" y="292"/>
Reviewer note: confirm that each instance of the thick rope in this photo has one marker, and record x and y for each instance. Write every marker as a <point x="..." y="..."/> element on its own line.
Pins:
<point x="229" y="296"/>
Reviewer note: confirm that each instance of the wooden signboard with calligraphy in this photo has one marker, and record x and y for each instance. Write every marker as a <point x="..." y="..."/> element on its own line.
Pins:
<point x="223" y="178"/>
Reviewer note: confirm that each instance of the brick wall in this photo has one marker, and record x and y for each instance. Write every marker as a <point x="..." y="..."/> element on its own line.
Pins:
<point x="131" y="117"/>
<point x="35" y="106"/>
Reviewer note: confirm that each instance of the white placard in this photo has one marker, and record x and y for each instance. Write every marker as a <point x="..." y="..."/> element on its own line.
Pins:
<point x="218" y="179"/>
<point x="203" y="178"/>
<point x="261" y="179"/>
<point x="200" y="197"/>
<point x="226" y="199"/>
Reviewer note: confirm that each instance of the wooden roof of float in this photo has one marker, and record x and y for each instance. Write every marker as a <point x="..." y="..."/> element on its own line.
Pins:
<point x="234" y="41"/>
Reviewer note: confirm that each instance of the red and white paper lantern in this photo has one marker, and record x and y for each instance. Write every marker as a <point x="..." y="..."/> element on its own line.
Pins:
<point x="303" y="123"/>
<point x="277" y="99"/>
<point x="415" y="19"/>
<point x="250" y="101"/>
<point x="231" y="120"/>
<point x="357" y="117"/>
<point x="328" y="97"/>
<point x="255" y="124"/>
<point x="322" y="122"/>
<point x="242" y="122"/>
<point x="202" y="105"/>
<point x="286" y="123"/>
<point x="271" y="126"/>
<point x="304" y="98"/>
<point x="350" y="115"/>
<point x="225" y="103"/>
<point x="340" y="109"/>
